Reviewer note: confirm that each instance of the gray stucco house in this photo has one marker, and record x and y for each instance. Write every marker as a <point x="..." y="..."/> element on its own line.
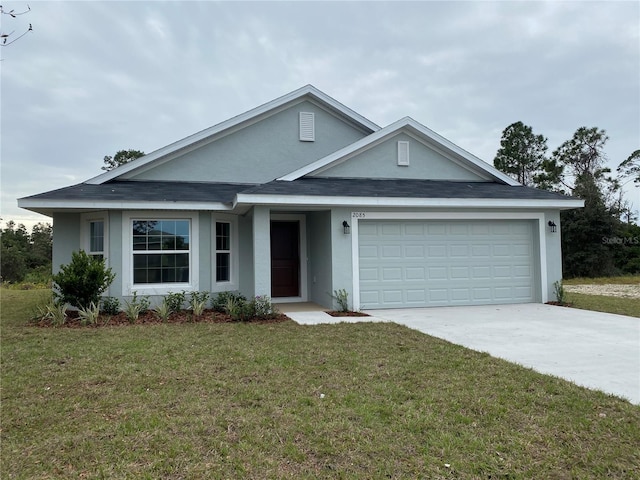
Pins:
<point x="302" y="196"/>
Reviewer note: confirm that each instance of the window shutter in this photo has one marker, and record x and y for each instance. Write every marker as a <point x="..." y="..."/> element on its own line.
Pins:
<point x="307" y="127"/>
<point x="403" y="154"/>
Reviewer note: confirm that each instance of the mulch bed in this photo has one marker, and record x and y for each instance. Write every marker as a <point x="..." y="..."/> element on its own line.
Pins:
<point x="335" y="313"/>
<point x="558" y="304"/>
<point x="150" y="318"/>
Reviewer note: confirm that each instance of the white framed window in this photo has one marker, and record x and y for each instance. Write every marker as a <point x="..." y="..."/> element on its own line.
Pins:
<point x="224" y="252"/>
<point x="94" y="234"/>
<point x="160" y="252"/>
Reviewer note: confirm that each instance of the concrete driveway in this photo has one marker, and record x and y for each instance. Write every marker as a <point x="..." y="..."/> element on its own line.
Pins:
<point x="592" y="349"/>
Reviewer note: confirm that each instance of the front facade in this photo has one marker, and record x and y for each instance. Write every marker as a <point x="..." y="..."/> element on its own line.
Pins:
<point x="303" y="196"/>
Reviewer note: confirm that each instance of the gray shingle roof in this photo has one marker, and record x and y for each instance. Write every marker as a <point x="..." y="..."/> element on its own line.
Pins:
<point x="145" y="191"/>
<point x="401" y="189"/>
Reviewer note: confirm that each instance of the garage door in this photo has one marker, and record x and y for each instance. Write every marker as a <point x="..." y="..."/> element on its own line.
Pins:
<point x="437" y="263"/>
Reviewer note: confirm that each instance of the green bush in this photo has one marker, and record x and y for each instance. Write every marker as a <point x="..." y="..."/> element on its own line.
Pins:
<point x="110" y="305"/>
<point x="263" y="308"/>
<point x="175" y="301"/>
<point x="83" y="280"/>
<point x="220" y="301"/>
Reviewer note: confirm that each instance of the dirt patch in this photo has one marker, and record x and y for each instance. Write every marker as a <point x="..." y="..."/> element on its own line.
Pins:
<point x="608" y="290"/>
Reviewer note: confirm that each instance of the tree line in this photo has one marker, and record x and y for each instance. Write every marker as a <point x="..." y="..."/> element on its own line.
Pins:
<point x="602" y="238"/>
<point x="25" y="256"/>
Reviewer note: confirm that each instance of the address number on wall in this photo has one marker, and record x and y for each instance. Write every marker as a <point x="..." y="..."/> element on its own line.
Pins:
<point x="358" y="215"/>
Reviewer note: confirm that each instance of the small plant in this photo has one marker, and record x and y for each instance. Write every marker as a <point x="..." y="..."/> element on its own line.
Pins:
<point x="89" y="315"/>
<point x="558" y="289"/>
<point x="83" y="280"/>
<point x="342" y="298"/>
<point x="263" y="308"/>
<point x="110" y="305"/>
<point x="175" y="301"/>
<point x="163" y="311"/>
<point x="56" y="312"/>
<point x="198" y="302"/>
<point x="238" y="308"/>
<point x="134" y="307"/>
<point x="220" y="301"/>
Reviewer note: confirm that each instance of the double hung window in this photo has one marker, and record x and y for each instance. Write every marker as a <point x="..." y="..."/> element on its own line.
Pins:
<point x="161" y="250"/>
<point x="223" y="252"/>
<point x="96" y="239"/>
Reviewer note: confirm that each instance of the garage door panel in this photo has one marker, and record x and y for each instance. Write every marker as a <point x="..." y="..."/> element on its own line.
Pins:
<point x="425" y="263"/>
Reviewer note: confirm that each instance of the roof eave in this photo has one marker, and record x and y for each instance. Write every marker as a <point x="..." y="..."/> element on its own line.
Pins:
<point x="317" y="200"/>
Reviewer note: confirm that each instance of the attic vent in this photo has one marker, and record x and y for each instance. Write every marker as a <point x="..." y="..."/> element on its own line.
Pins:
<point x="403" y="154"/>
<point x="307" y="127"/>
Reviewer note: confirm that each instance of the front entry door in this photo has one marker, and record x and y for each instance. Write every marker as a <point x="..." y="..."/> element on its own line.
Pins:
<point x="285" y="259"/>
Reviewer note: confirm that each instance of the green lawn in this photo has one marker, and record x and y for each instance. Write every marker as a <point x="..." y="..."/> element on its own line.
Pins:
<point x="246" y="401"/>
<point x="601" y="303"/>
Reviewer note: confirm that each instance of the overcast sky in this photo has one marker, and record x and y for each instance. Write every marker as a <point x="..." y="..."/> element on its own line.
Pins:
<point x="97" y="77"/>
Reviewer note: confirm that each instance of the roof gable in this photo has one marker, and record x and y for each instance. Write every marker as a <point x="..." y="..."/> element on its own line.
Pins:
<point x="431" y="148"/>
<point x="234" y="124"/>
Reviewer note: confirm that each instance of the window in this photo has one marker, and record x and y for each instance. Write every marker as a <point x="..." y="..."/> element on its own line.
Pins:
<point x="96" y="239"/>
<point x="161" y="251"/>
<point x="223" y="252"/>
<point x="94" y="234"/>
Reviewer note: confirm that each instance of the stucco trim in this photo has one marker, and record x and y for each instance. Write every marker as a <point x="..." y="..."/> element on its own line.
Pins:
<point x="363" y="215"/>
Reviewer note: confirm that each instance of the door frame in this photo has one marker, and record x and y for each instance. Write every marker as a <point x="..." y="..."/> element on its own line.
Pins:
<point x="540" y="254"/>
<point x="302" y="249"/>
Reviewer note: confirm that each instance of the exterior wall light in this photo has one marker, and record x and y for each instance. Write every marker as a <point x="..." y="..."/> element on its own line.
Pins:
<point x="346" y="228"/>
<point x="552" y="226"/>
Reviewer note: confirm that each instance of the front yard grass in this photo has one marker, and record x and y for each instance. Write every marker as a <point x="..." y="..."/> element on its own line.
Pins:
<point x="621" y="280"/>
<point x="601" y="303"/>
<point x="288" y="401"/>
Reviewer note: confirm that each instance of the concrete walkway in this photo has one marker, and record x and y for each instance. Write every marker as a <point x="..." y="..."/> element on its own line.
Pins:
<point x="592" y="349"/>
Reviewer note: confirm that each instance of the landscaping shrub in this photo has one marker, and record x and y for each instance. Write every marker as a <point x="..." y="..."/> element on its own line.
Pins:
<point x="198" y="302"/>
<point x="342" y="298"/>
<point x="134" y="307"/>
<point x="110" y="305"/>
<point x="221" y="300"/>
<point x="175" y="301"/>
<point x="163" y="310"/>
<point x="83" y="280"/>
<point x="262" y="307"/>
<point x="90" y="314"/>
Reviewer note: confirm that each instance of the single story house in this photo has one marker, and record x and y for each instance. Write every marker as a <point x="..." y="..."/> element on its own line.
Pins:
<point x="303" y="196"/>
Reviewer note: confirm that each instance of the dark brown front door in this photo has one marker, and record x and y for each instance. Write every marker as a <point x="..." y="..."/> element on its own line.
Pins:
<point x="285" y="259"/>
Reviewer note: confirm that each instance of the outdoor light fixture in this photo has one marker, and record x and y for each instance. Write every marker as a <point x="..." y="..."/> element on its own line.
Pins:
<point x="552" y="226"/>
<point x="346" y="227"/>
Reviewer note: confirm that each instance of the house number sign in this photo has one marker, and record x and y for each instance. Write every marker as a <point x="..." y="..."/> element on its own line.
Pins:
<point x="358" y="215"/>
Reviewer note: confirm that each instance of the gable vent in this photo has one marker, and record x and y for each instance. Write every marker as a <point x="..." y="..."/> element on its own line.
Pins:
<point x="307" y="127"/>
<point x="403" y="154"/>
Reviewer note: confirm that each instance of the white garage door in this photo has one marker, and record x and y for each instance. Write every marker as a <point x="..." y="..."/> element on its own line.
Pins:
<point x="436" y="263"/>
